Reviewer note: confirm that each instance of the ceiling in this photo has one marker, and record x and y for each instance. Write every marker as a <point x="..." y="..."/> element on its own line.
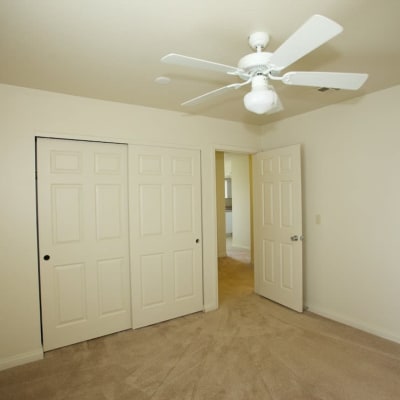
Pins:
<point x="111" y="49"/>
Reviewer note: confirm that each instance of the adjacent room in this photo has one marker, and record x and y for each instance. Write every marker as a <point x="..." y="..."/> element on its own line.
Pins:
<point x="117" y="119"/>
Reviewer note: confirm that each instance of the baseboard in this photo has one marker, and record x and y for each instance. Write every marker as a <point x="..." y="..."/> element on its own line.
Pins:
<point x="354" y="323"/>
<point x="210" y="307"/>
<point x="19" y="359"/>
<point x="239" y="246"/>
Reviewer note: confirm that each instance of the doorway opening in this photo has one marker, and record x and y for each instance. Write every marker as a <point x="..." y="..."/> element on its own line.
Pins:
<point x="234" y="224"/>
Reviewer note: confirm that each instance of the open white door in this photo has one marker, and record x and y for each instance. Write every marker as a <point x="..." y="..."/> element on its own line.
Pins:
<point x="83" y="240"/>
<point x="278" y="267"/>
<point x="166" y="248"/>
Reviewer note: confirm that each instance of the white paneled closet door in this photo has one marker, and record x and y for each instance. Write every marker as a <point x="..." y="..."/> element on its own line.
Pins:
<point x="83" y="240"/>
<point x="166" y="248"/>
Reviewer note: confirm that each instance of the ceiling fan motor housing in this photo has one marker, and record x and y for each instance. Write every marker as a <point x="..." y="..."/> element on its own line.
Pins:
<point x="254" y="63"/>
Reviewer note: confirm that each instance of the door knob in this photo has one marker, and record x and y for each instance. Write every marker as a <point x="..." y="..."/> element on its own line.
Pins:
<point x="46" y="257"/>
<point x="294" y="238"/>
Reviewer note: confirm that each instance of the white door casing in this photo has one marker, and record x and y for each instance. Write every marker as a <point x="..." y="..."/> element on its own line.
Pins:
<point x="83" y="228"/>
<point x="166" y="248"/>
<point x="278" y="236"/>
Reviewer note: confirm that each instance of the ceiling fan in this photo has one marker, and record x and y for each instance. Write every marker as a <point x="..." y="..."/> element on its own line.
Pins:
<point x="261" y="67"/>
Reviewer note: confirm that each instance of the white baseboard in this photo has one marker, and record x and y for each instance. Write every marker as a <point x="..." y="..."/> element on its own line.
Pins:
<point x="19" y="359"/>
<point x="210" y="307"/>
<point x="355" y="323"/>
<point x="239" y="246"/>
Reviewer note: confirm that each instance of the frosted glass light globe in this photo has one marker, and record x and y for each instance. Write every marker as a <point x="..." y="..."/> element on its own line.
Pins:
<point x="260" y="101"/>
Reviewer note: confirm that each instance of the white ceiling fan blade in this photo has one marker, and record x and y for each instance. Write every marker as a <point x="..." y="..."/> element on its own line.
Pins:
<point x="334" y="80"/>
<point x="313" y="33"/>
<point x="186" y="61"/>
<point x="213" y="93"/>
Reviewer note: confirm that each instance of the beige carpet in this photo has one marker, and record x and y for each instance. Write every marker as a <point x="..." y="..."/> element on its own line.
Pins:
<point x="249" y="349"/>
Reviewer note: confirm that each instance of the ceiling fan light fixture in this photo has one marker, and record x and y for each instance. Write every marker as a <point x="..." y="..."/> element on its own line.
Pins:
<point x="260" y="99"/>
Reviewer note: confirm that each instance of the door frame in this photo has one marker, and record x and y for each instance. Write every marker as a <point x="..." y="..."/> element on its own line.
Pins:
<point x="248" y="151"/>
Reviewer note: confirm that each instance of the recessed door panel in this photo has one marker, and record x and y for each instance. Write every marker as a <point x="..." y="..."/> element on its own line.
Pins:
<point x="286" y="265"/>
<point x="149" y="164"/>
<point x="67" y="213"/>
<point x="107" y="163"/>
<point x="65" y="162"/>
<point x="152" y="280"/>
<point x="184" y="276"/>
<point x="70" y="279"/>
<point x="285" y="164"/>
<point x="266" y="166"/>
<point x="268" y="261"/>
<point x="182" y="166"/>
<point x="182" y="203"/>
<point x="286" y="203"/>
<point x="108" y="211"/>
<point x="268" y="203"/>
<point x="151" y="209"/>
<point x="111" y="286"/>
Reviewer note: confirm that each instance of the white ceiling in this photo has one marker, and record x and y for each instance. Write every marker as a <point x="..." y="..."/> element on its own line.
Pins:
<point x="111" y="49"/>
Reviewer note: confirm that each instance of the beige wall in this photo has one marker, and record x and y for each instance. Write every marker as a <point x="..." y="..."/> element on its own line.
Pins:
<point x="351" y="167"/>
<point x="26" y="113"/>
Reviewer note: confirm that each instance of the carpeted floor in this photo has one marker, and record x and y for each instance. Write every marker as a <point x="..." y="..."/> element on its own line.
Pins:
<point x="249" y="349"/>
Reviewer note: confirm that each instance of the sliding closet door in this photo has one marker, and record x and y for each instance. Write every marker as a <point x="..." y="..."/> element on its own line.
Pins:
<point x="166" y="248"/>
<point x="83" y="240"/>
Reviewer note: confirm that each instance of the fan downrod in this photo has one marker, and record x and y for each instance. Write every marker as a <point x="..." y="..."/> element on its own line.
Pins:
<point x="255" y="63"/>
